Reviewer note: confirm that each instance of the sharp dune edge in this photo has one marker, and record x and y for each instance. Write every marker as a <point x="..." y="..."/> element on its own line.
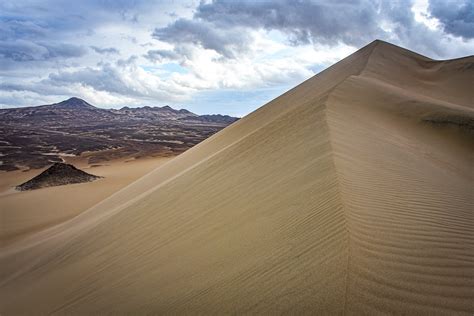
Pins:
<point x="349" y="194"/>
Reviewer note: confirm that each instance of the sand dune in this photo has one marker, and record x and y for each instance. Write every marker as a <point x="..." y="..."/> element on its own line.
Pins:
<point x="349" y="194"/>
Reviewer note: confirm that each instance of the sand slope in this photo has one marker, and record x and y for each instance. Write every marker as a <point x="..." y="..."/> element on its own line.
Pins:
<point x="27" y="212"/>
<point x="350" y="194"/>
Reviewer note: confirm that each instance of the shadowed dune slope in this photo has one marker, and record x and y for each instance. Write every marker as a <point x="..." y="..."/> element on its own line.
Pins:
<point x="351" y="193"/>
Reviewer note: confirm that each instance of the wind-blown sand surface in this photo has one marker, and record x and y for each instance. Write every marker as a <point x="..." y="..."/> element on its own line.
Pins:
<point x="26" y="212"/>
<point x="350" y="194"/>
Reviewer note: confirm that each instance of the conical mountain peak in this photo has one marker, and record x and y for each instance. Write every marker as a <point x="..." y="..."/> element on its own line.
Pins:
<point x="74" y="103"/>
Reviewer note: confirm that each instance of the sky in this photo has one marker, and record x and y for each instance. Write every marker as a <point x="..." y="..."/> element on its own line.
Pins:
<point x="227" y="57"/>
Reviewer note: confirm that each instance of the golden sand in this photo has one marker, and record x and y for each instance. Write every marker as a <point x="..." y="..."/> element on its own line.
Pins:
<point x="26" y="212"/>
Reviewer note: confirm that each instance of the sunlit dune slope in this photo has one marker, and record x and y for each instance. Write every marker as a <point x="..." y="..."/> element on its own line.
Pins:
<point x="351" y="193"/>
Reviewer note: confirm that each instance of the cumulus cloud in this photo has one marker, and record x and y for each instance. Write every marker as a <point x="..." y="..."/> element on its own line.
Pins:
<point x="123" y="82"/>
<point x="123" y="77"/>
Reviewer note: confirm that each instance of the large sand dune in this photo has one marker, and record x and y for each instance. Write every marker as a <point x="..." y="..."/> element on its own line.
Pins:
<point x="351" y="193"/>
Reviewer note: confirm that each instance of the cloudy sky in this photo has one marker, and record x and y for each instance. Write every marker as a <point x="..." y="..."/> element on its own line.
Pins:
<point x="207" y="56"/>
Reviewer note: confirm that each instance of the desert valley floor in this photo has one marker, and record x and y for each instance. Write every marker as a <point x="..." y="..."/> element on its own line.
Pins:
<point x="23" y="213"/>
<point x="350" y="194"/>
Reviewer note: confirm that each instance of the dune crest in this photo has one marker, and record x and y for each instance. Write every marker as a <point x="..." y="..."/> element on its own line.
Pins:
<point x="349" y="194"/>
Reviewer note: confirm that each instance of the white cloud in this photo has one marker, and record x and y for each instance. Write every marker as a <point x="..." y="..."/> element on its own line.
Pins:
<point x="421" y="14"/>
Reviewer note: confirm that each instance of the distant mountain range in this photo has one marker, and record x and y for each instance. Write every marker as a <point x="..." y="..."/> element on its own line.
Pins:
<point x="76" y="109"/>
<point x="34" y="137"/>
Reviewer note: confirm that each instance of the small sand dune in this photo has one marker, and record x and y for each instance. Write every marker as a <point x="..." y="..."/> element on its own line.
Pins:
<point x="349" y="194"/>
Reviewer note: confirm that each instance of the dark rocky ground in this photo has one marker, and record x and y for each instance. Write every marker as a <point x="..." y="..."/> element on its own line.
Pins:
<point x="35" y="137"/>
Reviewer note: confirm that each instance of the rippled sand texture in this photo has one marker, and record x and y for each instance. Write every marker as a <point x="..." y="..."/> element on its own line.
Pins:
<point x="350" y="194"/>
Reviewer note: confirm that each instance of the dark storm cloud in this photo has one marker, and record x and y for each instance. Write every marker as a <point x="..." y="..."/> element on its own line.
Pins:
<point x="226" y="41"/>
<point x="221" y="25"/>
<point x="108" y="50"/>
<point x="456" y="17"/>
<point x="352" y="22"/>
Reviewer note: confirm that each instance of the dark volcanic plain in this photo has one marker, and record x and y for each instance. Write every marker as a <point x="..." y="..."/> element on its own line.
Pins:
<point x="35" y="137"/>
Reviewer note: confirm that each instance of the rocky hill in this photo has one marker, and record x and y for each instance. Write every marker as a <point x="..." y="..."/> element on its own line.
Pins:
<point x="57" y="174"/>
